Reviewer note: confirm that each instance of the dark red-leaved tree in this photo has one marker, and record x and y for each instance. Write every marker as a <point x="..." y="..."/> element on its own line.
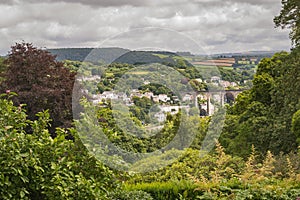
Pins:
<point x="41" y="83"/>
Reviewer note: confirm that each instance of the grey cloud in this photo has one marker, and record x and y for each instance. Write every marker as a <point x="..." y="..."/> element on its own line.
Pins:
<point x="8" y="2"/>
<point x="221" y="25"/>
<point x="97" y="3"/>
<point x="255" y="2"/>
<point x="141" y="3"/>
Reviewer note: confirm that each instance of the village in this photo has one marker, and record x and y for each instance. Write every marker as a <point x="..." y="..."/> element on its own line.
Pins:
<point x="206" y="101"/>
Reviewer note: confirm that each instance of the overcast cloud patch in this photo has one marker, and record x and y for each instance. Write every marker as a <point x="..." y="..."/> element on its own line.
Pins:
<point x="220" y="25"/>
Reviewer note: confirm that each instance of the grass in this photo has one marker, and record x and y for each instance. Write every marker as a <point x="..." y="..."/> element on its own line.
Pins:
<point x="109" y="75"/>
<point x="228" y="68"/>
<point x="160" y="55"/>
<point x="139" y="73"/>
<point x="205" y="66"/>
<point x="187" y="58"/>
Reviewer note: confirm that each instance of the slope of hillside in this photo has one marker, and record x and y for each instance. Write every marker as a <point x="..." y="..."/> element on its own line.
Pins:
<point x="97" y="55"/>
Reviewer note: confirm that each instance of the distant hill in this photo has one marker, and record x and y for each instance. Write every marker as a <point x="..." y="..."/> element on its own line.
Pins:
<point x="117" y="55"/>
<point x="147" y="57"/>
<point x="94" y="55"/>
<point x="260" y="54"/>
<point x="120" y="55"/>
<point x="138" y="57"/>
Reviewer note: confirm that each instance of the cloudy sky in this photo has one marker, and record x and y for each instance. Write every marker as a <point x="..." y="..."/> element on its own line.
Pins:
<point x="214" y="25"/>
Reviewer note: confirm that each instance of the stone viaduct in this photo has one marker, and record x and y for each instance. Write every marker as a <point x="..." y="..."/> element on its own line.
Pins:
<point x="211" y="98"/>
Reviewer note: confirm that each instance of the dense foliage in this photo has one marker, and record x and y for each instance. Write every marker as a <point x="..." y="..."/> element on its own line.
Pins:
<point x="3" y="67"/>
<point x="262" y="116"/>
<point x="220" y="176"/>
<point x="289" y="17"/>
<point x="36" y="166"/>
<point x="256" y="157"/>
<point x="118" y="134"/>
<point x="93" y="55"/>
<point x="40" y="82"/>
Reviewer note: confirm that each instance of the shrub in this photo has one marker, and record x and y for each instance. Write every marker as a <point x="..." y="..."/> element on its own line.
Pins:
<point x="130" y="195"/>
<point x="36" y="166"/>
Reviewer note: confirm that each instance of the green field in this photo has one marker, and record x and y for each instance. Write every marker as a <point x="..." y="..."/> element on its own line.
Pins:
<point x="139" y="72"/>
<point x="228" y="68"/>
<point x="162" y="56"/>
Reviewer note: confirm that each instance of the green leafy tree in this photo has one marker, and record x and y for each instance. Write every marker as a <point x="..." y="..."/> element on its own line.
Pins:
<point x="3" y="68"/>
<point x="263" y="115"/>
<point x="36" y="166"/>
<point x="289" y="17"/>
<point x="296" y="124"/>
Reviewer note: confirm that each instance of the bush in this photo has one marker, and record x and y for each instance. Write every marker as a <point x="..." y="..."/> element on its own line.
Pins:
<point x="167" y="190"/>
<point x="36" y="166"/>
<point x="229" y="189"/>
<point x="130" y="195"/>
<point x="220" y="176"/>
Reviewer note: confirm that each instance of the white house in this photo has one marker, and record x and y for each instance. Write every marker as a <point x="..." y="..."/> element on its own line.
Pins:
<point x="234" y="84"/>
<point x="109" y="95"/>
<point x="164" y="98"/>
<point x="199" y="80"/>
<point x="225" y="84"/>
<point x="149" y="95"/>
<point x="161" y="117"/>
<point x="89" y="78"/>
<point x="187" y="97"/>
<point x="146" y="82"/>
<point x="215" y="79"/>
<point x="155" y="98"/>
<point x="172" y="109"/>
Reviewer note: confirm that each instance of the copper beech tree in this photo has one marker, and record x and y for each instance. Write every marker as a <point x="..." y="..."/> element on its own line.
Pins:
<point x="41" y="83"/>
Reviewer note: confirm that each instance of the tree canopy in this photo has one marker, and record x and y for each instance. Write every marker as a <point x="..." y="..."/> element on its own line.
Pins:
<point x="41" y="83"/>
<point x="289" y="17"/>
<point x="262" y="116"/>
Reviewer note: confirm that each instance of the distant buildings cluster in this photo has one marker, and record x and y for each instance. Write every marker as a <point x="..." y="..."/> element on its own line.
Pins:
<point x="167" y="104"/>
<point x="128" y="99"/>
<point x="217" y="81"/>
